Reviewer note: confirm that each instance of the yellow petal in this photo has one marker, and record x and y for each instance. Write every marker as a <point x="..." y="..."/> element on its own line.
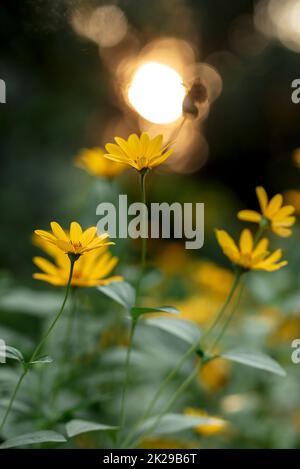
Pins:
<point x="157" y="160"/>
<point x="274" y="205"/>
<point x="261" y="248"/>
<point x="45" y="265"/>
<point x="58" y="231"/>
<point x="88" y="235"/>
<point x="284" y="212"/>
<point x="154" y="147"/>
<point x="283" y="232"/>
<point x="134" y="146"/>
<point x="262" y="198"/>
<point x="49" y="278"/>
<point x="144" y="143"/>
<point x="45" y="235"/>
<point x="246" y="242"/>
<point x="286" y="222"/>
<point x="115" y="150"/>
<point x="75" y="232"/>
<point x="124" y="146"/>
<point x="118" y="159"/>
<point x="225" y="240"/>
<point x="249" y="215"/>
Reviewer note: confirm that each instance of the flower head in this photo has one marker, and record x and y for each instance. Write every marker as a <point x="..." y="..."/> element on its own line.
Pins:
<point x="90" y="270"/>
<point x="273" y="213"/>
<point x="247" y="255"/>
<point x="138" y="152"/>
<point x="76" y="242"/>
<point x="215" y="425"/>
<point x="93" y="161"/>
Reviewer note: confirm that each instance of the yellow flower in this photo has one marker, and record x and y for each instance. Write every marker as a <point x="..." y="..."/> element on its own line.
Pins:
<point x="293" y="198"/>
<point x="214" y="375"/>
<point x="247" y="255"/>
<point x="138" y="152"/>
<point x="274" y="214"/>
<point x="210" y="276"/>
<point x="76" y="242"/>
<point x="93" y="161"/>
<point x="216" y="425"/>
<point x="296" y="157"/>
<point x="90" y="270"/>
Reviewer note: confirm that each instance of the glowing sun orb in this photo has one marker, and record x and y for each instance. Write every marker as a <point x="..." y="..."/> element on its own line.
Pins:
<point x="157" y="93"/>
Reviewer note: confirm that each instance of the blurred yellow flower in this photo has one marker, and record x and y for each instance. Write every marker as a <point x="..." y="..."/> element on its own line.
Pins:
<point x="212" y="277"/>
<point x="274" y="214"/>
<point x="164" y="443"/>
<point x="214" y="375"/>
<point x="172" y="258"/>
<point x="139" y="152"/>
<point x="215" y="427"/>
<point x="296" y="157"/>
<point x="199" y="309"/>
<point x="93" y="161"/>
<point x="90" y="270"/>
<point x="76" y="242"/>
<point x="247" y="255"/>
<point x="293" y="198"/>
<point x="287" y="330"/>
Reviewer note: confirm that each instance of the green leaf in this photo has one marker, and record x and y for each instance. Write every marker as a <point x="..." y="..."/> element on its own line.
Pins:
<point x="136" y="312"/>
<point x="172" y="423"/>
<point x="45" y="436"/>
<point x="77" y="427"/>
<point x="256" y="360"/>
<point x="185" y="330"/>
<point x="11" y="352"/>
<point x="44" y="359"/>
<point x="121" y="292"/>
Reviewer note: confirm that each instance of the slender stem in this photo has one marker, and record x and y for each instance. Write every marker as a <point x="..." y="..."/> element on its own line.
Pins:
<point x="38" y="348"/>
<point x="144" y="225"/>
<point x="223" y="308"/>
<point x="126" y="378"/>
<point x="228" y="319"/>
<point x="180" y="390"/>
<point x="12" y="399"/>
<point x="159" y="392"/>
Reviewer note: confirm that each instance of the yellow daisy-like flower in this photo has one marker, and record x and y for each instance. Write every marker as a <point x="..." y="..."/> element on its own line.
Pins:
<point x="215" y="427"/>
<point x="90" y="270"/>
<point x="247" y="255"/>
<point x="139" y="152"/>
<point x="274" y="214"/>
<point x="93" y="161"/>
<point x="76" y="242"/>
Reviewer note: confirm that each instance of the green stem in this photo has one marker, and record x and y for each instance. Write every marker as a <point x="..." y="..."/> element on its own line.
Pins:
<point x="180" y="390"/>
<point x="228" y="320"/>
<point x="223" y="308"/>
<point x="126" y="378"/>
<point x="159" y="392"/>
<point x="38" y="348"/>
<point x="144" y="240"/>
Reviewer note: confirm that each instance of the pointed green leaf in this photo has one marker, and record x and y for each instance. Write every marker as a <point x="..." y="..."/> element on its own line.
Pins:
<point x="256" y="360"/>
<point x="136" y="312"/>
<point x="77" y="427"/>
<point x="121" y="292"/>
<point x="11" y="352"/>
<point x="45" y="436"/>
<point x="44" y="359"/>
<point x="185" y="330"/>
<point x="172" y="423"/>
